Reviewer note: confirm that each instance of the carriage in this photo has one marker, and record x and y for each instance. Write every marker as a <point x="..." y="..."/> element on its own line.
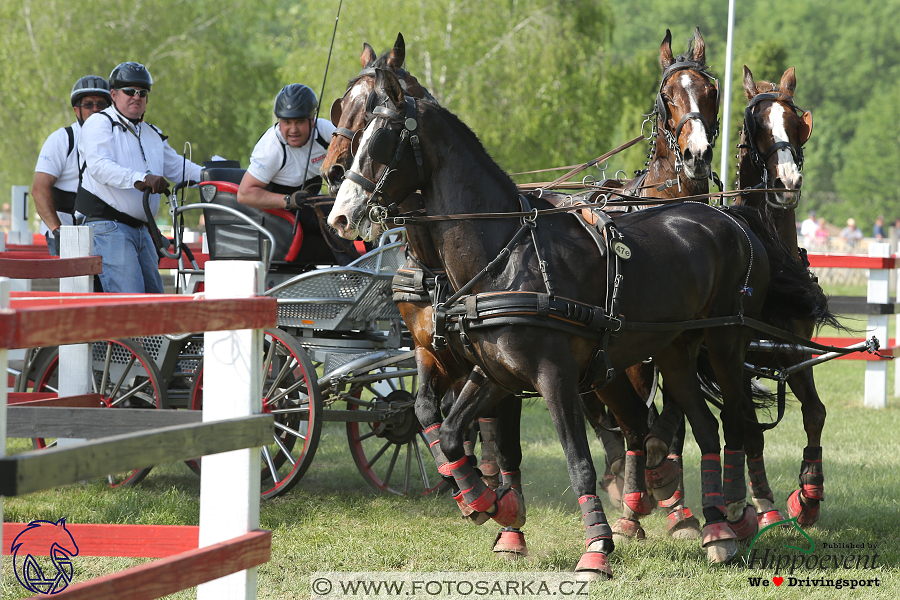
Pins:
<point x="340" y="351"/>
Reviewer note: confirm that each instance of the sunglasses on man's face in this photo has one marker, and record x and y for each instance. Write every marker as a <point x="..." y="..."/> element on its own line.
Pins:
<point x="93" y="105"/>
<point x="130" y="92"/>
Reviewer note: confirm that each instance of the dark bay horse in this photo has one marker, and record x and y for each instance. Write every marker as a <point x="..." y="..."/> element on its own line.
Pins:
<point x="710" y="264"/>
<point x="771" y="156"/>
<point x="686" y="127"/>
<point x="441" y="371"/>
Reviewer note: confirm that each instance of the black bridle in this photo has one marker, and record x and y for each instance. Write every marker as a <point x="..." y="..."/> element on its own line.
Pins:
<point x="386" y="146"/>
<point x="759" y="159"/>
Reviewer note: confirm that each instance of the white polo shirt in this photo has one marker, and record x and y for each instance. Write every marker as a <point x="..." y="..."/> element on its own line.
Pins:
<point x="271" y="151"/>
<point x="118" y="153"/>
<point x="56" y="160"/>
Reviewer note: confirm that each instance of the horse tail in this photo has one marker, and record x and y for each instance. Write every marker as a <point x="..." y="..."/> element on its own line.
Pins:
<point x="794" y="292"/>
<point x="762" y="397"/>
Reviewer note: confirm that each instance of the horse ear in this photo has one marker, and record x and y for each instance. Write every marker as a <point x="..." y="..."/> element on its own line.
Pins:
<point x="387" y="82"/>
<point x="749" y="85"/>
<point x="699" y="47"/>
<point x="789" y="82"/>
<point x="805" y="129"/>
<point x="665" y="51"/>
<point x="398" y="53"/>
<point x="368" y="55"/>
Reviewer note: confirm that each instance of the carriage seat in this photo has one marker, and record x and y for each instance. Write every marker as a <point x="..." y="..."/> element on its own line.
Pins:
<point x="230" y="238"/>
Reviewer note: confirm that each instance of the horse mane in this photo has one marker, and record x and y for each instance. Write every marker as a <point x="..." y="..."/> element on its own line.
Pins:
<point x="474" y="140"/>
<point x="768" y="87"/>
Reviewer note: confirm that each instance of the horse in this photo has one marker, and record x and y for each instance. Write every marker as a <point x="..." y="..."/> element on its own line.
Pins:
<point x="771" y="156"/>
<point x="531" y="316"/>
<point x="686" y="128"/>
<point x="413" y="286"/>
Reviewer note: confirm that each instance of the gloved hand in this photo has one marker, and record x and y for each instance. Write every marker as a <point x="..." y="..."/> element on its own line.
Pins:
<point x="55" y="233"/>
<point x="156" y="183"/>
<point x="296" y="200"/>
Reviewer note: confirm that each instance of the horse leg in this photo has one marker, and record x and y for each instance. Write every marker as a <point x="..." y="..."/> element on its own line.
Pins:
<point x="505" y="505"/>
<point x="678" y="363"/>
<point x="558" y="385"/>
<point x="760" y="492"/>
<point x="604" y="426"/>
<point x="804" y="502"/>
<point x="510" y="541"/>
<point x="726" y="350"/>
<point x="681" y="524"/>
<point x="488" y="466"/>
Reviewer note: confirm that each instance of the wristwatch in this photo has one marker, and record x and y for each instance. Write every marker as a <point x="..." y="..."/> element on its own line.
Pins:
<point x="287" y="201"/>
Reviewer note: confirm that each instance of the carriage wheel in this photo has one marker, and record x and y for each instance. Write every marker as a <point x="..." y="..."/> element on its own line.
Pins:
<point x="392" y="455"/>
<point x="125" y="377"/>
<point x="291" y="393"/>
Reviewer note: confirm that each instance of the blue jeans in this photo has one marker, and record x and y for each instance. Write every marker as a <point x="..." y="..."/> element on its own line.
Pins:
<point x="130" y="261"/>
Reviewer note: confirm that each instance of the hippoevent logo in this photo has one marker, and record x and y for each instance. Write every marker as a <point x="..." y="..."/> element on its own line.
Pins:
<point x="784" y="563"/>
<point x="44" y="539"/>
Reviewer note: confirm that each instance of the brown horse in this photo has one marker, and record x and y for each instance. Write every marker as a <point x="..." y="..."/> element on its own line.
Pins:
<point x="442" y="371"/>
<point x="771" y="156"/>
<point x="523" y="338"/>
<point x="685" y="131"/>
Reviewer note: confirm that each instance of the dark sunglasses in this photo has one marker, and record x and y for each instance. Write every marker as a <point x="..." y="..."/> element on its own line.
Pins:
<point x="92" y="105"/>
<point x="130" y="92"/>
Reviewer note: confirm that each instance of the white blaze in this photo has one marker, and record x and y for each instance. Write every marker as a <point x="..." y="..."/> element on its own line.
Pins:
<point x="786" y="168"/>
<point x="351" y="196"/>
<point x="698" y="141"/>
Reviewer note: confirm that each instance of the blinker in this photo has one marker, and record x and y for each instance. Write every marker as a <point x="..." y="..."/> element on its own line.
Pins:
<point x="383" y="146"/>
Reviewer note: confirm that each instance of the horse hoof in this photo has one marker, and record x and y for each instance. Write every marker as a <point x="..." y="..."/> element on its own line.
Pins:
<point x="747" y="525"/>
<point x="614" y="487"/>
<point x="592" y="567"/>
<point x="769" y="517"/>
<point x="478" y="518"/>
<point x="510" y="544"/>
<point x="662" y="481"/>
<point x="624" y="530"/>
<point x="639" y="502"/>
<point x="721" y="552"/>
<point x="806" y="515"/>
<point x="681" y="524"/>
<point x="490" y="473"/>
<point x="510" y="508"/>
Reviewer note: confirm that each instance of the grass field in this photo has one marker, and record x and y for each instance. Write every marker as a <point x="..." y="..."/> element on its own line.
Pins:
<point x="332" y="521"/>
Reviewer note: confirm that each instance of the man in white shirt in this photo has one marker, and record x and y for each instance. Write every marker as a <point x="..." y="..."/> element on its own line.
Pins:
<point x="284" y="165"/>
<point x="124" y="156"/>
<point x="808" y="229"/>
<point x="57" y="172"/>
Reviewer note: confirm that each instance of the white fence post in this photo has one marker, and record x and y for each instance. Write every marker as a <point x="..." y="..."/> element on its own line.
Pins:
<point x="4" y="363"/>
<point x="232" y="387"/>
<point x="75" y="365"/>
<point x="878" y="293"/>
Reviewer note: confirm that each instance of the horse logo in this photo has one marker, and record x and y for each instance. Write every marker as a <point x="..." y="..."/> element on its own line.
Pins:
<point x="44" y="538"/>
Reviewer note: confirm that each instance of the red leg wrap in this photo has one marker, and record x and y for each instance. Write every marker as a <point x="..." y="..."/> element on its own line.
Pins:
<point x="594" y="562"/>
<point x="511" y="541"/>
<point x="478" y="518"/>
<point x="629" y="528"/>
<point x="676" y="499"/>
<point x="510" y="508"/>
<point x="682" y="524"/>
<point x="806" y="515"/>
<point x="769" y="518"/>
<point x="747" y="525"/>
<point x="713" y="532"/>
<point x="639" y="502"/>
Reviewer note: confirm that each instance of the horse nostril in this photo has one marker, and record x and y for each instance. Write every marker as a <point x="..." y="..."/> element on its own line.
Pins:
<point x="339" y="222"/>
<point x="707" y="155"/>
<point x="336" y="173"/>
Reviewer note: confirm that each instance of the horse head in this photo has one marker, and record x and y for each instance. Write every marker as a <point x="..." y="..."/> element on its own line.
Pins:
<point x="348" y="113"/>
<point x="687" y="106"/>
<point x="385" y="151"/>
<point x="774" y="133"/>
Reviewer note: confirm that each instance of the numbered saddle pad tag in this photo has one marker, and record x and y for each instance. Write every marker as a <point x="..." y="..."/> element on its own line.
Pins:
<point x="621" y="250"/>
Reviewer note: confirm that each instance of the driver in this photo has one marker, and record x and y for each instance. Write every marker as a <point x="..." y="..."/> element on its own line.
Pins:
<point x="284" y="165"/>
<point x="124" y="156"/>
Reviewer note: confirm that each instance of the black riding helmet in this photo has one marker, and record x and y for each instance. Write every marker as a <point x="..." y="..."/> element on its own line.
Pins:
<point x="90" y="85"/>
<point x="128" y="74"/>
<point x="296" y="101"/>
